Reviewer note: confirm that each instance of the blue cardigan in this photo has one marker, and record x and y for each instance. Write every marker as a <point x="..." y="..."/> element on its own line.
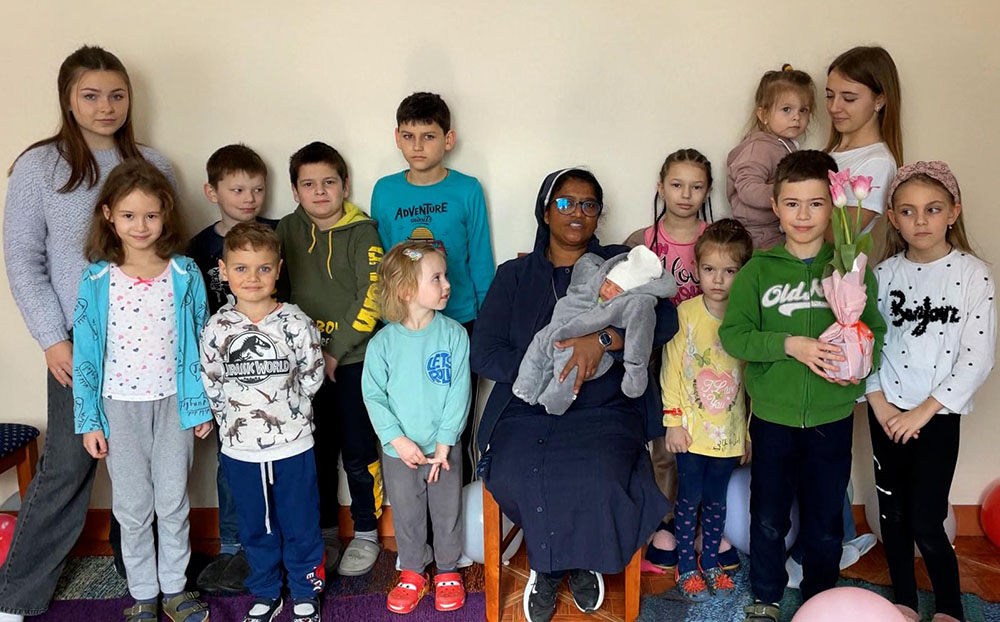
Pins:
<point x="90" y="334"/>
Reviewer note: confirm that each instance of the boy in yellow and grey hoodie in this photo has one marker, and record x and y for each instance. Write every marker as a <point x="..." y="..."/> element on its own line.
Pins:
<point x="331" y="251"/>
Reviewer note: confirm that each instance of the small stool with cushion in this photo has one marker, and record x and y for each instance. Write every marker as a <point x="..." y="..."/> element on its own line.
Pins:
<point x="19" y="449"/>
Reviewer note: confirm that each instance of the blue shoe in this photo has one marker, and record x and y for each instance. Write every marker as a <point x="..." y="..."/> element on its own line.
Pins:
<point x="662" y="558"/>
<point x="730" y="560"/>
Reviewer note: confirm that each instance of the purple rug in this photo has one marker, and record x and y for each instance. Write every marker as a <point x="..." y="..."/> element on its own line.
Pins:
<point x="367" y="607"/>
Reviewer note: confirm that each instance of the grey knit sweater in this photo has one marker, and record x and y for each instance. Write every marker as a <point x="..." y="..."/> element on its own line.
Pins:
<point x="44" y="233"/>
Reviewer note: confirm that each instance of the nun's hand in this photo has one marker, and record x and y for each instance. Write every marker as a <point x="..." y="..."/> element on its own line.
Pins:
<point x="587" y="353"/>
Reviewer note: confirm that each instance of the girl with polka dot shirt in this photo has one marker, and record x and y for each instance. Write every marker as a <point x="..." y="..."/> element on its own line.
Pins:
<point x="938" y="299"/>
<point x="137" y="384"/>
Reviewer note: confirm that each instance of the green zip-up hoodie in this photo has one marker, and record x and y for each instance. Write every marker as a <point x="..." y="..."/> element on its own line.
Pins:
<point x="776" y="295"/>
<point x="331" y="276"/>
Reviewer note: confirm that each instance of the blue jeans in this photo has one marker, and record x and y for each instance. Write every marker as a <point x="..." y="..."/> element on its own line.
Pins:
<point x="229" y="533"/>
<point x="702" y="482"/>
<point x="815" y="465"/>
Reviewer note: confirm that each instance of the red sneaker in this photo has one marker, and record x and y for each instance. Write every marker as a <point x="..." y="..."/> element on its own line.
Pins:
<point x="407" y="594"/>
<point x="449" y="592"/>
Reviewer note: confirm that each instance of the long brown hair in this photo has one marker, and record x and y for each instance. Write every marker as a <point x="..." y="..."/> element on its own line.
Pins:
<point x="893" y="242"/>
<point x="69" y="139"/>
<point x="873" y="67"/>
<point x="103" y="243"/>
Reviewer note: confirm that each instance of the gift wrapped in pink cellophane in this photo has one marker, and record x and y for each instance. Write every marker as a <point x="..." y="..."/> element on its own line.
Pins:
<point x="847" y="296"/>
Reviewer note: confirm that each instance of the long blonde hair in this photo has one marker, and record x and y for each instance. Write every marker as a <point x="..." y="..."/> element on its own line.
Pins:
<point x="893" y="242"/>
<point x="399" y="276"/>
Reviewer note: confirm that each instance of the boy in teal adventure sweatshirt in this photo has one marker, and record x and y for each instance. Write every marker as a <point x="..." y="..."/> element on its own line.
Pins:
<point x="429" y="201"/>
<point x="802" y="426"/>
<point x="331" y="252"/>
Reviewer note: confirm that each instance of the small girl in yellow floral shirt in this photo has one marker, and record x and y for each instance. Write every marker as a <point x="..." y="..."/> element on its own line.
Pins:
<point x="704" y="410"/>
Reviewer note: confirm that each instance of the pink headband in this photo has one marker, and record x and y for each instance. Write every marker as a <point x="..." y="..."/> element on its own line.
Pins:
<point x="936" y="170"/>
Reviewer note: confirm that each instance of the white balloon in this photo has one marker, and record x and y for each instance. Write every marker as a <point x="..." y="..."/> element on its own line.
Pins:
<point x="737" y="529"/>
<point x="872" y="515"/>
<point x="472" y="520"/>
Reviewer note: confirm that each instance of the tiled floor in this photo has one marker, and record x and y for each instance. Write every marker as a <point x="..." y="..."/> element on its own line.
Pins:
<point x="979" y="565"/>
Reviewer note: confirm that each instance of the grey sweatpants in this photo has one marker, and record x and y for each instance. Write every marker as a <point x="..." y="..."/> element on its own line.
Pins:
<point x="149" y="458"/>
<point x="412" y="497"/>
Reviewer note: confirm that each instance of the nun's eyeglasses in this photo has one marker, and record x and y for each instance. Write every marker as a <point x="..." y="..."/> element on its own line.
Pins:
<point x="567" y="205"/>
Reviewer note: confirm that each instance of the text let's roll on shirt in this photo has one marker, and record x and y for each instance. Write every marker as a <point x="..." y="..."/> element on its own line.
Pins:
<point x="452" y="211"/>
<point x="416" y="383"/>
<point x="942" y="330"/>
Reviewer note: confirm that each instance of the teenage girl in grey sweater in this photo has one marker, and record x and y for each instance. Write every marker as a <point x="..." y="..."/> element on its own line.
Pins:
<point x="50" y="198"/>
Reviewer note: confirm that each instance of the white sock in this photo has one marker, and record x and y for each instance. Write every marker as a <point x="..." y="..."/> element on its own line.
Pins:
<point x="11" y="617"/>
<point x="371" y="536"/>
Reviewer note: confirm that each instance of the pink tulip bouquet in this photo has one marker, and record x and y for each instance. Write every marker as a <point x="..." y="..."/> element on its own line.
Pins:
<point x="844" y="283"/>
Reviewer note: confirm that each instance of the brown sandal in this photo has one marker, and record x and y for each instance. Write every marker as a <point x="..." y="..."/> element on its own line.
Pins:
<point x="185" y="604"/>
<point x="138" y="611"/>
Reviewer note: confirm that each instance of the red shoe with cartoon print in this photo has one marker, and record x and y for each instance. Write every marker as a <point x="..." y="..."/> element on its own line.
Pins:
<point x="407" y="594"/>
<point x="449" y="591"/>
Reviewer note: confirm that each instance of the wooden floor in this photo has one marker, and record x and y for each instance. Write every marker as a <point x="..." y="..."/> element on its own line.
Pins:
<point x="979" y="567"/>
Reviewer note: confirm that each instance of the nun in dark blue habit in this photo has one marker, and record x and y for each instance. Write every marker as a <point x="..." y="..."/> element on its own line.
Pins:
<point x="580" y="485"/>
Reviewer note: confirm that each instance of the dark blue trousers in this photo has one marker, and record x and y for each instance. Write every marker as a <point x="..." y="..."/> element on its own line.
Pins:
<point x="702" y="483"/>
<point x="278" y="508"/>
<point x="815" y="465"/>
<point x="229" y="534"/>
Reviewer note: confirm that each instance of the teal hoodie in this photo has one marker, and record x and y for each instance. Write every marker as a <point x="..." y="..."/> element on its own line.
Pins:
<point x="90" y="336"/>
<point x="776" y="295"/>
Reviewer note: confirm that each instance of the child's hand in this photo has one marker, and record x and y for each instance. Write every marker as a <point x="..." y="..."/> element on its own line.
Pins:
<point x="95" y="444"/>
<point x="814" y="354"/>
<point x="678" y="440"/>
<point x="331" y="366"/>
<point x="747" y="453"/>
<point x="202" y="430"/>
<point x="439" y="461"/>
<point x="408" y="452"/>
<point x="904" y="426"/>
<point x="884" y="411"/>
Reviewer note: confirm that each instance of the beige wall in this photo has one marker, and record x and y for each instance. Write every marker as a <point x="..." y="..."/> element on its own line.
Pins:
<point x="533" y="86"/>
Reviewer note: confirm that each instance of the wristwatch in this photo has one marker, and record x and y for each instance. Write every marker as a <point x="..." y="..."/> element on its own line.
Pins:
<point x="605" y="339"/>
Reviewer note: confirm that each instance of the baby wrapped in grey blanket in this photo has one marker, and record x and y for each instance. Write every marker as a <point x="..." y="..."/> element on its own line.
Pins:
<point x="622" y="292"/>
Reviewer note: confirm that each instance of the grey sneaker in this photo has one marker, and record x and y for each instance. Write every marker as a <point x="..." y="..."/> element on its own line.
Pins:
<point x="359" y="557"/>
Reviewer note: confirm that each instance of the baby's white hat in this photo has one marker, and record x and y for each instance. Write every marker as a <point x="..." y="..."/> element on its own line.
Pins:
<point x="640" y="267"/>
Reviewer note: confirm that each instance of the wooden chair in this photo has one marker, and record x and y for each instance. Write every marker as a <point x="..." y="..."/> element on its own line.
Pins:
<point x="494" y="543"/>
<point x="19" y="449"/>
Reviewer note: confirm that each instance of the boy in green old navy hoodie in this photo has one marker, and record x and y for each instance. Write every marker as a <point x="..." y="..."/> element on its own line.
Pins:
<point x="801" y="428"/>
<point x="331" y="252"/>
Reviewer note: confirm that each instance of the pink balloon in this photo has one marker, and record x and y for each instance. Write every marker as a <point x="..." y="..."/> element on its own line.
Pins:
<point x="848" y="603"/>
<point x="6" y="535"/>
